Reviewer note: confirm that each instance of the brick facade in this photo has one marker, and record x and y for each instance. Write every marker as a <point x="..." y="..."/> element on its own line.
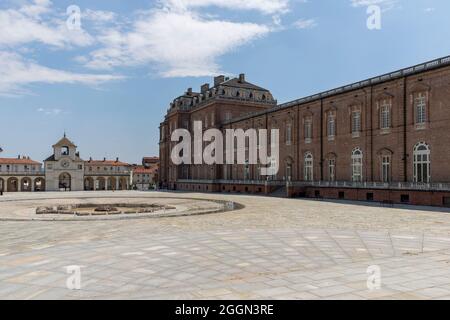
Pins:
<point x="383" y="139"/>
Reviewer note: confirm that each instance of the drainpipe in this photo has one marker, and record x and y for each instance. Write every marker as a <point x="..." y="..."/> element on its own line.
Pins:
<point x="405" y="141"/>
<point x="371" y="135"/>
<point x="321" y="139"/>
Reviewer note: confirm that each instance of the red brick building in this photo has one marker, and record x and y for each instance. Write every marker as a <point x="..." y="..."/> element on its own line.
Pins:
<point x="381" y="139"/>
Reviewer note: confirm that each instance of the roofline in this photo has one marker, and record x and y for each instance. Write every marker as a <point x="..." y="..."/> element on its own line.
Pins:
<point x="401" y="73"/>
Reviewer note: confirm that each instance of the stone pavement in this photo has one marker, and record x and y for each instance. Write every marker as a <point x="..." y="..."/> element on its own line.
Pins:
<point x="271" y="249"/>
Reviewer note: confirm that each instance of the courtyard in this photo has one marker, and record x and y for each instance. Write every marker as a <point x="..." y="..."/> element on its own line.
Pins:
<point x="267" y="248"/>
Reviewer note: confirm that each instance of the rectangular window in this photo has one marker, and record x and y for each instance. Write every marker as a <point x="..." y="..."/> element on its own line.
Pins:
<point x="289" y="134"/>
<point x="308" y="130"/>
<point x="331" y="125"/>
<point x="421" y="109"/>
<point x="385" y="115"/>
<point x="386" y="169"/>
<point x="356" y="122"/>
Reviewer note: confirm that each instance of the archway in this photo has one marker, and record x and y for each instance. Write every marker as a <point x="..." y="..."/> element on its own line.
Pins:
<point x="123" y="184"/>
<point x="65" y="181"/>
<point x="26" y="185"/>
<point x="101" y="183"/>
<point x="13" y="185"/>
<point x="39" y="184"/>
<point x="88" y="184"/>
<point x="111" y="183"/>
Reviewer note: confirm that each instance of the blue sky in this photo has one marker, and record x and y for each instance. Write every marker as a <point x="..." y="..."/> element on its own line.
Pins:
<point x="108" y="83"/>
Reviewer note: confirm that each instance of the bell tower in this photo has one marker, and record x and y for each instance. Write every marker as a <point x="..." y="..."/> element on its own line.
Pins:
<point x="64" y="148"/>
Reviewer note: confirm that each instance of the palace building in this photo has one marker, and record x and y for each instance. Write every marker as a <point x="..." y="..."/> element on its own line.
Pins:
<point x="382" y="139"/>
<point x="64" y="170"/>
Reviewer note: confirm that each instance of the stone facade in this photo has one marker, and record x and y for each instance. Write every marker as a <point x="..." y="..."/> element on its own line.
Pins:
<point x="385" y="139"/>
<point x="64" y="170"/>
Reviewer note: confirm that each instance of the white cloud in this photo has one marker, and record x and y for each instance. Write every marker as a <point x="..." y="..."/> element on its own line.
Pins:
<point x="50" y="111"/>
<point x="386" y="4"/>
<point x="305" y="23"/>
<point x="179" y="43"/>
<point x="36" y="22"/>
<point x="16" y="73"/>
<point x="264" y="6"/>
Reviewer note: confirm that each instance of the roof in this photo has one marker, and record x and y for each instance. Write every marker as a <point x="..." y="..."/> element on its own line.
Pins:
<point x="110" y="163"/>
<point x="150" y="160"/>
<point x="143" y="170"/>
<point x="236" y="82"/>
<point x="52" y="158"/>
<point x="18" y="161"/>
<point x="402" y="73"/>
<point x="64" y="142"/>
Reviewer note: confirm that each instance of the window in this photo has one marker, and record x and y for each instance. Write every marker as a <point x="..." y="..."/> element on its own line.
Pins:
<point x="421" y="108"/>
<point x="308" y="130"/>
<point x="289" y="170"/>
<point x="356" y="123"/>
<point x="332" y="170"/>
<point x="246" y="170"/>
<point x="331" y="125"/>
<point x="309" y="167"/>
<point x="289" y="134"/>
<point x="422" y="163"/>
<point x="386" y="168"/>
<point x="65" y="151"/>
<point x="357" y="165"/>
<point x="385" y="115"/>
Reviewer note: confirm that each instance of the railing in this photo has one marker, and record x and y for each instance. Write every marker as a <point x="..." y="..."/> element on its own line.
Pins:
<point x="22" y="173"/>
<point x="328" y="184"/>
<point x="108" y="174"/>
<point x="376" y="185"/>
<point x="236" y="182"/>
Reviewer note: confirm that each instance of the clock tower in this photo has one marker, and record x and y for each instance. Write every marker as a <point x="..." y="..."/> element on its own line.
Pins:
<point x="64" y="170"/>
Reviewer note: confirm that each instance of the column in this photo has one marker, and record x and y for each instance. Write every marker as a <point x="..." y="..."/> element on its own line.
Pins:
<point x="117" y="182"/>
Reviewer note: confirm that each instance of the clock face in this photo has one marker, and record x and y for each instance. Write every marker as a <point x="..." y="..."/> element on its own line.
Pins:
<point x="65" y="164"/>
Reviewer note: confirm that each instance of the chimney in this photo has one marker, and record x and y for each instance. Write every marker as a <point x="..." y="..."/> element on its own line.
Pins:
<point x="18" y="157"/>
<point x="117" y="159"/>
<point x="104" y="159"/>
<point x="218" y="80"/>
<point x="204" y="88"/>
<point x="90" y="159"/>
<point x="242" y="78"/>
<point x="189" y="92"/>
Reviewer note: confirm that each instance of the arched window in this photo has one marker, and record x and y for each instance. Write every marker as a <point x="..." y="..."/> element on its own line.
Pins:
<point x="289" y="169"/>
<point x="332" y="170"/>
<point x="246" y="170"/>
<point x="308" y="164"/>
<point x="386" y="168"/>
<point x="422" y="163"/>
<point x="357" y="165"/>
